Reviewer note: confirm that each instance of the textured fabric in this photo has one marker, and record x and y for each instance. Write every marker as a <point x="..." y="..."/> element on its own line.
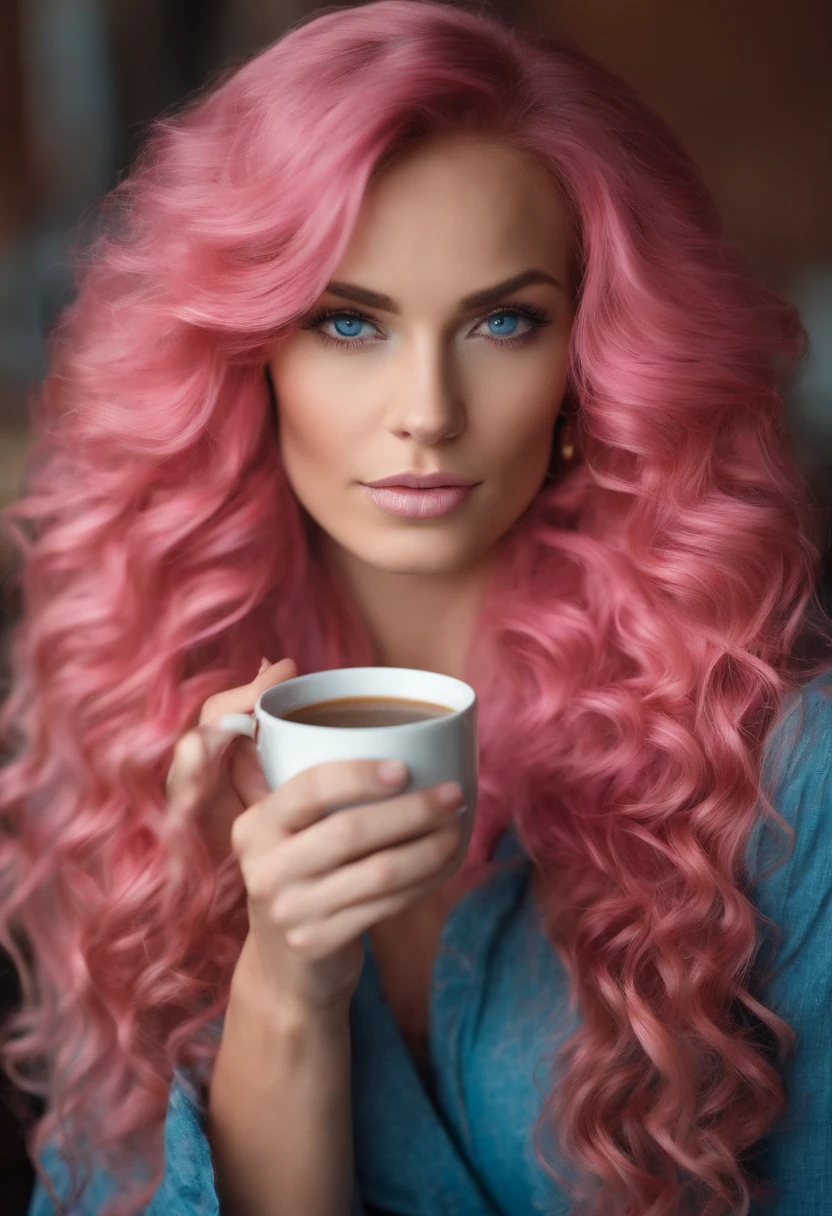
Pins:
<point x="797" y="1155"/>
<point x="187" y="1188"/>
<point x="499" y="1011"/>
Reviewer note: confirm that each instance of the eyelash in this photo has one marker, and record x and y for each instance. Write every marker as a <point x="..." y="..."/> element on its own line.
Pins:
<point x="537" y="316"/>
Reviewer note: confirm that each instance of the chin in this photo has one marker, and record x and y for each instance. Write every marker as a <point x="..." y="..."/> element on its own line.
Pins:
<point x="425" y="554"/>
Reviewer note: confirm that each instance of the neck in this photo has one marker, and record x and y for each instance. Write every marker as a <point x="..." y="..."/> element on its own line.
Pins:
<point x="424" y="621"/>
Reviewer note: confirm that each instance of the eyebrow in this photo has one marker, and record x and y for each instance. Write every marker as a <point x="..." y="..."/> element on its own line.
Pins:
<point x="478" y="299"/>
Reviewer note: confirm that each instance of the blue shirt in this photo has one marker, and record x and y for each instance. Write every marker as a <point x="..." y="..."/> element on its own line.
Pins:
<point x="498" y="1013"/>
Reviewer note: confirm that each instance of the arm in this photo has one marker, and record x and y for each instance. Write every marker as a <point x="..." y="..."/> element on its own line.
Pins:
<point x="279" y="1109"/>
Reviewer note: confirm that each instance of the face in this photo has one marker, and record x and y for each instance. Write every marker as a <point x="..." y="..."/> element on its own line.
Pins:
<point x="440" y="346"/>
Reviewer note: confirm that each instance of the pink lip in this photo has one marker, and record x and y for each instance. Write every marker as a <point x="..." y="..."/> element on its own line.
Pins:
<point x="419" y="504"/>
<point x="422" y="481"/>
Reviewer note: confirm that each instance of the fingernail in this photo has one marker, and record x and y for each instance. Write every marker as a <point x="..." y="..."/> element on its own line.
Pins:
<point x="449" y="793"/>
<point x="391" y="772"/>
<point x="264" y="663"/>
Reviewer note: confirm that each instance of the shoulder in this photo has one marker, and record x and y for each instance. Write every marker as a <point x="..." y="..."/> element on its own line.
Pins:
<point x="793" y="966"/>
<point x="800" y="743"/>
<point x="791" y="871"/>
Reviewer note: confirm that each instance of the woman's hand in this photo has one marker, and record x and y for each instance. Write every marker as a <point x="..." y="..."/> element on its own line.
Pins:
<point x="316" y="881"/>
<point x="216" y="774"/>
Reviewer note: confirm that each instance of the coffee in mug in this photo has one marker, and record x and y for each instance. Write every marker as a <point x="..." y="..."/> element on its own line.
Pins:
<point x="366" y="711"/>
<point x="426" y="719"/>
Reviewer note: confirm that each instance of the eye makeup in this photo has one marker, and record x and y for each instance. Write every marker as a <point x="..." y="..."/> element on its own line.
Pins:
<point x="537" y="316"/>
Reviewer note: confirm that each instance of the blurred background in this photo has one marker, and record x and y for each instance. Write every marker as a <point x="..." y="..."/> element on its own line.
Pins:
<point x="746" y="84"/>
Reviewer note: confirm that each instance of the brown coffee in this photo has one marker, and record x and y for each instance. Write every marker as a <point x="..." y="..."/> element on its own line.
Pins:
<point x="366" y="711"/>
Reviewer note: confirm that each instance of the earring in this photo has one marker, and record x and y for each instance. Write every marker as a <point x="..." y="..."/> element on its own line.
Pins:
<point x="563" y="446"/>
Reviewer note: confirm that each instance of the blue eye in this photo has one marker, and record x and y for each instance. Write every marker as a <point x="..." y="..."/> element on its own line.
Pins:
<point x="501" y="325"/>
<point x="348" y="327"/>
<point x="503" y="322"/>
<point x="352" y="326"/>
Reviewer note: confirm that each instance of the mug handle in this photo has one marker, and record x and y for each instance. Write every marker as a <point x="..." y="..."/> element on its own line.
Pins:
<point x="239" y="724"/>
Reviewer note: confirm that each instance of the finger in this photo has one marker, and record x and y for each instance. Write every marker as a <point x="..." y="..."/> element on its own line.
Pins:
<point x="215" y="797"/>
<point x="195" y="757"/>
<point x="335" y="840"/>
<point x="319" y="939"/>
<point x="384" y="873"/>
<point x="331" y="786"/>
<point x="243" y="699"/>
<point x="245" y="772"/>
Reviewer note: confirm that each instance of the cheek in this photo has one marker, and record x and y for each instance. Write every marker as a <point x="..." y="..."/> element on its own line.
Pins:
<point x="317" y="423"/>
<point x="520" y="404"/>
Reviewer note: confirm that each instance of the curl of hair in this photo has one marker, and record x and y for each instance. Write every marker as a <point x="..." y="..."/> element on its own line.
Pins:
<point x="631" y="655"/>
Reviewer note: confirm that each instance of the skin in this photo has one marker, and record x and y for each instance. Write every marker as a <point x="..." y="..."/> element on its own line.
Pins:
<point x="422" y="384"/>
<point x="430" y="387"/>
<point x="428" y="391"/>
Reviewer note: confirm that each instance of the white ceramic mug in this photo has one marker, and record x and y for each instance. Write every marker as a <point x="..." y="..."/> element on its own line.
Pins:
<point x="436" y="749"/>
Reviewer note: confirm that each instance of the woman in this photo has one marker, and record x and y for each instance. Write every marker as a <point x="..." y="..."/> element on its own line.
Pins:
<point x="407" y="240"/>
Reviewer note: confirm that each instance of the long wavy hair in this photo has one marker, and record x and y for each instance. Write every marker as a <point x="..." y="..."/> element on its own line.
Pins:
<point x="631" y="655"/>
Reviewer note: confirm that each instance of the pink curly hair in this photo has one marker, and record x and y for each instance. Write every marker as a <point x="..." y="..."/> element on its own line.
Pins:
<point x="631" y="655"/>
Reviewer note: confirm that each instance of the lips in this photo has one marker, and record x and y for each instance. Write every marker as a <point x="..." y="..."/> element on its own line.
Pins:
<point x="421" y="481"/>
<point x="411" y="503"/>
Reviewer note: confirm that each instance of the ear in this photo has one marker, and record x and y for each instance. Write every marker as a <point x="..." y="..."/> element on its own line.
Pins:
<point x="272" y="399"/>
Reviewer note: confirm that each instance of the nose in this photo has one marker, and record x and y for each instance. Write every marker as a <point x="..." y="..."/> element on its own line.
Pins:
<point x="425" y="403"/>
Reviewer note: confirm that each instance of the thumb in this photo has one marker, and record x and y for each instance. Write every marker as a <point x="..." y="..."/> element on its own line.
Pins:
<point x="242" y="700"/>
<point x="273" y="673"/>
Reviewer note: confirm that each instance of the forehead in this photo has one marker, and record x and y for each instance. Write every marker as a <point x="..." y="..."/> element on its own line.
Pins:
<point x="455" y="214"/>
